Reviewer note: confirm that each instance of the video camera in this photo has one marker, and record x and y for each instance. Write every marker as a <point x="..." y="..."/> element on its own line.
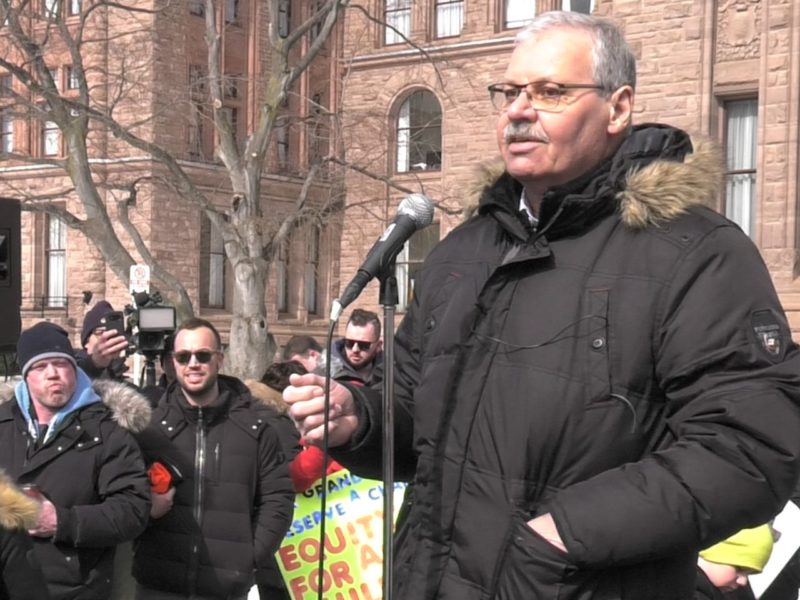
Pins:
<point x="151" y="321"/>
<point x="149" y="324"/>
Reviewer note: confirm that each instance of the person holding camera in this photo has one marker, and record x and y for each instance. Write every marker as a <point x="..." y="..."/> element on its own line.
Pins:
<point x="103" y="340"/>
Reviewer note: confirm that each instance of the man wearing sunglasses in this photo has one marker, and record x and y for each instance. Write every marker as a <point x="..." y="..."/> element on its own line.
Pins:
<point x="233" y="500"/>
<point x="595" y="378"/>
<point x="357" y="356"/>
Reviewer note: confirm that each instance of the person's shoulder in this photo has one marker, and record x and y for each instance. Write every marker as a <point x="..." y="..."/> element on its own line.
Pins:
<point x="125" y="404"/>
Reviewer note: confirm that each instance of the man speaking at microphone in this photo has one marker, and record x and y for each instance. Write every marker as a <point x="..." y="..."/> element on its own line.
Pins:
<point x="595" y="378"/>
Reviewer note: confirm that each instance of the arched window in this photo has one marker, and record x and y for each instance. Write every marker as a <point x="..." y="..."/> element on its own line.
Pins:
<point x="419" y="133"/>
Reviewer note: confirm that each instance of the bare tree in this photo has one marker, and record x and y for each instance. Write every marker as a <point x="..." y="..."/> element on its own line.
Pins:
<point x="111" y="55"/>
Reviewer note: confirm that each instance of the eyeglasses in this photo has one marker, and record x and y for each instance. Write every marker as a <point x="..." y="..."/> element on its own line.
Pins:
<point x="184" y="356"/>
<point x="350" y="344"/>
<point x="542" y="95"/>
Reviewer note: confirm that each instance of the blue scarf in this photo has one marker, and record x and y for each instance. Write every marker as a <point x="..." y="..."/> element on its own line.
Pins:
<point x="83" y="395"/>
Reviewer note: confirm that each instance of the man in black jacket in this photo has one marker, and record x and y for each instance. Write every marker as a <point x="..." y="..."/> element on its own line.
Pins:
<point x="595" y="378"/>
<point x="102" y="345"/>
<point x="71" y="442"/>
<point x="232" y="501"/>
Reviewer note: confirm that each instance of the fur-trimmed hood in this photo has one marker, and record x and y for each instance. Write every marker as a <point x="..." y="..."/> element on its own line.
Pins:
<point x="654" y="177"/>
<point x="129" y="408"/>
<point x="265" y="395"/>
<point x="17" y="511"/>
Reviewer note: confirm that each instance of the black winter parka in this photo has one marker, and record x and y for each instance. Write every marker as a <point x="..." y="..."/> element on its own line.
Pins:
<point x="93" y="472"/>
<point x="626" y="367"/>
<point x="233" y="503"/>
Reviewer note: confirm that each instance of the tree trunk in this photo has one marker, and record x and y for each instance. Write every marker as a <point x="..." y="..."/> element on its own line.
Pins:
<point x="252" y="347"/>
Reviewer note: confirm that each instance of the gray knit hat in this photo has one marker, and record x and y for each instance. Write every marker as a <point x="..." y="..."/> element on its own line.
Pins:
<point x="43" y="340"/>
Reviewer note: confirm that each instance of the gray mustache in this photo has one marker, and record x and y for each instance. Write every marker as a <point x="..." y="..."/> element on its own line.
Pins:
<point x="515" y="132"/>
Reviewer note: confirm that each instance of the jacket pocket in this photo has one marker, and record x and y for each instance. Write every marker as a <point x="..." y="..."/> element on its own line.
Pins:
<point x="598" y="358"/>
<point x="532" y="568"/>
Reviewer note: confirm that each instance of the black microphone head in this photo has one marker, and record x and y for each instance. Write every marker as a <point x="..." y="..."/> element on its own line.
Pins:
<point x="418" y="208"/>
<point x="141" y="298"/>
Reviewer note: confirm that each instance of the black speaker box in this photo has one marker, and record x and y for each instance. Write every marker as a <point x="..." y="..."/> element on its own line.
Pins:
<point x="10" y="273"/>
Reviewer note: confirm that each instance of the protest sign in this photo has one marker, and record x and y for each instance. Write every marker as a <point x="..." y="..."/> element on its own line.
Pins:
<point x="353" y="567"/>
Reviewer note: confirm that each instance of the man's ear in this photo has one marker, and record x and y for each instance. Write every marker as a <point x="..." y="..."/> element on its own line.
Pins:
<point x="620" y="109"/>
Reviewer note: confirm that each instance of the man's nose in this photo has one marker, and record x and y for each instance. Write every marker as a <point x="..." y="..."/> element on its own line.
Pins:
<point x="521" y="109"/>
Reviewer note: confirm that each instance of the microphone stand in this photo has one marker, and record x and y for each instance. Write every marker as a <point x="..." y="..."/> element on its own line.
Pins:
<point x="389" y="299"/>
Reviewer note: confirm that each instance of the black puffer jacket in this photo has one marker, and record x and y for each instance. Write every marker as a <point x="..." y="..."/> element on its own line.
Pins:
<point x="234" y="503"/>
<point x="20" y="574"/>
<point x="627" y="368"/>
<point x="93" y="472"/>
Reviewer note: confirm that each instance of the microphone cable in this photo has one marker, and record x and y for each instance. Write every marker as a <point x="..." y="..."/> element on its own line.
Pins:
<point x="323" y="500"/>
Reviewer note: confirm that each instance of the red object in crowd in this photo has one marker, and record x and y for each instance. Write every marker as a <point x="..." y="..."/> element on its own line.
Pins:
<point x="160" y="478"/>
<point x="306" y="468"/>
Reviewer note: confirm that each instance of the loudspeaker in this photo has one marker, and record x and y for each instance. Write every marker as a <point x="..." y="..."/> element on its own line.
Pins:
<point x="10" y="273"/>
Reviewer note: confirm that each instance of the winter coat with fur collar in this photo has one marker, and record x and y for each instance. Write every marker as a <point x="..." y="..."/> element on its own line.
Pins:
<point x="20" y="573"/>
<point x="93" y="472"/>
<point x="625" y="367"/>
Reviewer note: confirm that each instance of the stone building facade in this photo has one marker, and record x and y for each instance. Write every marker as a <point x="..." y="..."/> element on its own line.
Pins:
<point x="407" y="82"/>
<point x="724" y="69"/>
<point x="151" y="64"/>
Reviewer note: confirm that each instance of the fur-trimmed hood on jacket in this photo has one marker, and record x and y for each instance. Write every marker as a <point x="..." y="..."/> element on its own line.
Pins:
<point x="649" y="189"/>
<point x="263" y="394"/>
<point x="129" y="408"/>
<point x="17" y="511"/>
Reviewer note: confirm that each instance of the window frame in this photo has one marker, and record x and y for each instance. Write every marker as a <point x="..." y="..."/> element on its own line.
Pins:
<point x="55" y="277"/>
<point x="401" y="10"/>
<point x="407" y="266"/>
<point x="517" y="5"/>
<point x="437" y="11"/>
<point x="744" y="168"/>
<point x="404" y="142"/>
<point x="213" y="267"/>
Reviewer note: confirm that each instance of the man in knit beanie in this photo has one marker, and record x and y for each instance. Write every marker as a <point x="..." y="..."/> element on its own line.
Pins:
<point x="67" y="443"/>
<point x="102" y="346"/>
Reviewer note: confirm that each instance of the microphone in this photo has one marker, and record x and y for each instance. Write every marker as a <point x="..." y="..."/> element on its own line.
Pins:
<point x="415" y="212"/>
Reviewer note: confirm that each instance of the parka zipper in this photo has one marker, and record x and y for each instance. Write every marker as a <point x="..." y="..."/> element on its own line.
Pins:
<point x="199" y="485"/>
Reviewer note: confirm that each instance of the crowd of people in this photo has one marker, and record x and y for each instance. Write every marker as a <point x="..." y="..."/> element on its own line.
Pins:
<point x="589" y="403"/>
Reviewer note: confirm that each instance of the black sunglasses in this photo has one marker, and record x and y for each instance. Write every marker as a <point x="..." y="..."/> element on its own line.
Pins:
<point x="184" y="356"/>
<point x="350" y="344"/>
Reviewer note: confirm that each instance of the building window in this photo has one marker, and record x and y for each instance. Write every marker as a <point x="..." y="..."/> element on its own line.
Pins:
<point x="282" y="276"/>
<point x="579" y="6"/>
<point x="51" y="8"/>
<point x="6" y="85"/>
<point x="51" y="139"/>
<point x="519" y="12"/>
<point x="741" y="137"/>
<point x="449" y="17"/>
<point x="231" y="85"/>
<point x="282" y="136"/>
<point x="6" y="131"/>
<point x="195" y="130"/>
<point x="197" y="8"/>
<point x="311" y="274"/>
<point x="56" y="263"/>
<point x="73" y="81"/>
<point x="317" y="26"/>
<point x="212" y="267"/>
<point x="410" y="260"/>
<point x="398" y="21"/>
<point x="74" y="7"/>
<point x="231" y="11"/>
<point x="231" y="115"/>
<point x="419" y="133"/>
<point x="284" y="17"/>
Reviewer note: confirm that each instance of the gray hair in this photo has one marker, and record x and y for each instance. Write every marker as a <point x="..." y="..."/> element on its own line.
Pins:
<point x="612" y="59"/>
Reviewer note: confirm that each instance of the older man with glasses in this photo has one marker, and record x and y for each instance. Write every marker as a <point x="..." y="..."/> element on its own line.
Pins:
<point x="595" y="378"/>
<point x="231" y="500"/>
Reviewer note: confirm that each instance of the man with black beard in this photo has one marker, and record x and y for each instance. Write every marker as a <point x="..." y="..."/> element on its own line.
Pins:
<point x="232" y="499"/>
